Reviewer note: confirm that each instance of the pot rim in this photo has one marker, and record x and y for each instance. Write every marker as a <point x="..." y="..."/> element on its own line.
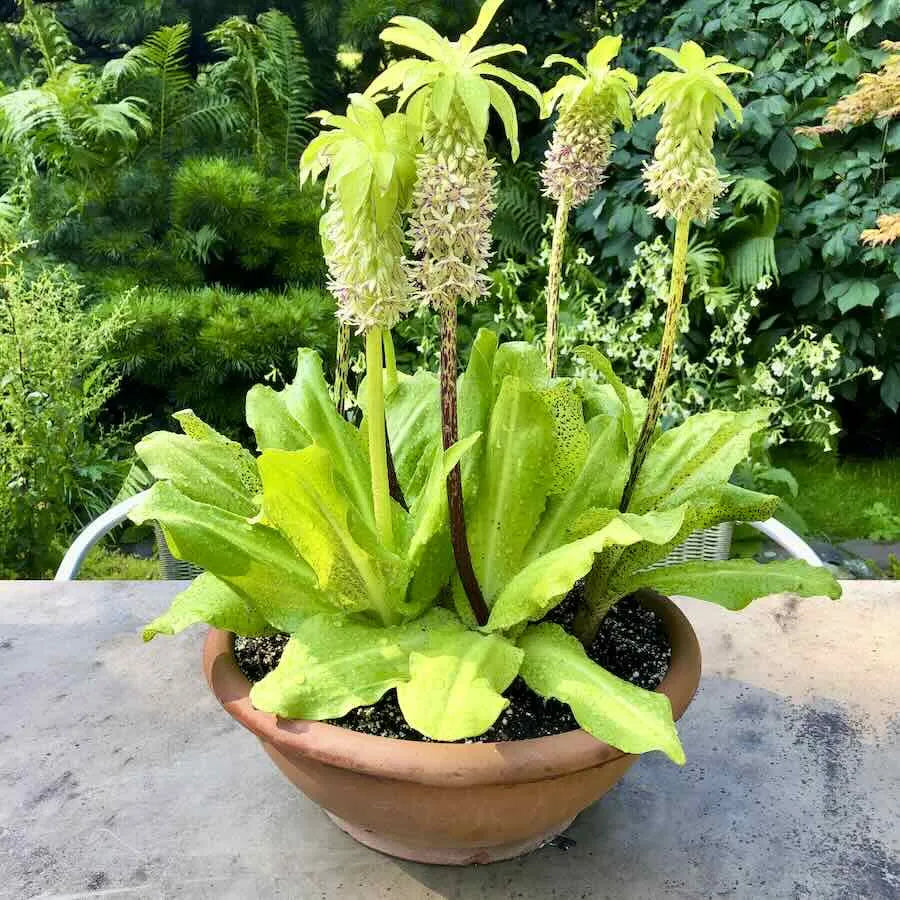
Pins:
<point x="446" y="764"/>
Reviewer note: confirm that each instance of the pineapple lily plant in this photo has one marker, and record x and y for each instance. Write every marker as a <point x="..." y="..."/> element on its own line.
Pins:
<point x="514" y="483"/>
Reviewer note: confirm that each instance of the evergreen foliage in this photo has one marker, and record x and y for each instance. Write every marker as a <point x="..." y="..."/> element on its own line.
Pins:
<point x="58" y="466"/>
<point x="244" y="226"/>
<point x="203" y="348"/>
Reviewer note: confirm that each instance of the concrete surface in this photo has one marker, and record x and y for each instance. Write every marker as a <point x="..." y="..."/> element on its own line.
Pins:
<point x="121" y="777"/>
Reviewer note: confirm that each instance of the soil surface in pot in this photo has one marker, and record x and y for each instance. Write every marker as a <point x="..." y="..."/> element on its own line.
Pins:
<point x="631" y="644"/>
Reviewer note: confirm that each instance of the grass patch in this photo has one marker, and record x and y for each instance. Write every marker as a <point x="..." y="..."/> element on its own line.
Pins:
<point x="103" y="564"/>
<point x="836" y="495"/>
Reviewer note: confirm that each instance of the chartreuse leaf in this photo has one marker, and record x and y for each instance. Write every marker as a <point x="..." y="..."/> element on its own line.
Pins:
<point x="710" y="506"/>
<point x="598" y="483"/>
<point x="735" y="582"/>
<point x="274" y="426"/>
<point x="455" y="685"/>
<point x="502" y="102"/>
<point x="333" y="664"/>
<point x="612" y="710"/>
<point x="476" y="396"/>
<point x="521" y="360"/>
<point x="429" y="511"/>
<point x="485" y="17"/>
<point x="512" y="484"/>
<point x="254" y="560"/>
<point x="602" y="400"/>
<point x="699" y="454"/>
<point x="413" y="415"/>
<point x="211" y="601"/>
<point x="541" y="584"/>
<point x="570" y="438"/>
<point x="476" y="97"/>
<point x="429" y="553"/>
<point x="198" y="430"/>
<point x="221" y="474"/>
<point x="309" y="401"/>
<point x="302" y="500"/>
<point x="603" y="366"/>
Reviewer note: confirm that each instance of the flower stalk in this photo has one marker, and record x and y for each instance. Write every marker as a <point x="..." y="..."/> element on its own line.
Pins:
<point x="450" y="95"/>
<point x="390" y="362"/>
<point x="590" y="103"/>
<point x="381" y="496"/>
<point x="449" y="436"/>
<point x="664" y="363"/>
<point x="342" y="368"/>
<point x="686" y="182"/>
<point x="554" y="276"/>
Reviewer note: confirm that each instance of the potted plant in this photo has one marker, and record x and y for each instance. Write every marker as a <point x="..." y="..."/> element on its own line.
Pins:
<point x="427" y="647"/>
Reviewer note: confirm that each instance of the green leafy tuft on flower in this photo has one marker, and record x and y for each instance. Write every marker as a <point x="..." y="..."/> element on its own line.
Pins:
<point x="683" y="175"/>
<point x="590" y="105"/>
<point x="371" y="169"/>
<point x="450" y="95"/>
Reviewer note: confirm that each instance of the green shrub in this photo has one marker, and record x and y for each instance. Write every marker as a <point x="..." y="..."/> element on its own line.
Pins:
<point x="106" y="564"/>
<point x="204" y="348"/>
<point x="803" y="56"/>
<point x="232" y="216"/>
<point x="58" y="467"/>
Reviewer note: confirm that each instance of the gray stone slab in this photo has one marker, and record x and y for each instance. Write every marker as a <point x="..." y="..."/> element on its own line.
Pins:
<point x="121" y="777"/>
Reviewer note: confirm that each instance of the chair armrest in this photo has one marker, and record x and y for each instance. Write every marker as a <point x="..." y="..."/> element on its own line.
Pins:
<point x="789" y="540"/>
<point x="81" y="546"/>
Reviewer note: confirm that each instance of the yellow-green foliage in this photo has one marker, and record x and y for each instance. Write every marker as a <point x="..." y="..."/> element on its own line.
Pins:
<point x="58" y="468"/>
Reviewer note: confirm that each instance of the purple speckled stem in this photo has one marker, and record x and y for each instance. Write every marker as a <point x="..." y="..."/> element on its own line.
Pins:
<point x="342" y="367"/>
<point x="450" y="435"/>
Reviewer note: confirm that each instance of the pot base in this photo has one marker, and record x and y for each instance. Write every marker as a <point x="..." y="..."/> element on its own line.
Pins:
<point x="446" y="856"/>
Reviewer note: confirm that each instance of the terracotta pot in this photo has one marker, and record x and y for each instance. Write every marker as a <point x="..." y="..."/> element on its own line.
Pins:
<point x="447" y="803"/>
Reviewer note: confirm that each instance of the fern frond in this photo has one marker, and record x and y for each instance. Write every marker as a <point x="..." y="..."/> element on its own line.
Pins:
<point x="752" y="260"/>
<point x="521" y="211"/>
<point x="751" y="231"/>
<point x="11" y="215"/>
<point x="29" y="115"/>
<point x="210" y="115"/>
<point x="123" y="121"/>
<point x="131" y="65"/>
<point x="286" y="72"/>
<point x="754" y="192"/>
<point x="163" y="56"/>
<point x="46" y="34"/>
<point x="703" y="261"/>
<point x="14" y="64"/>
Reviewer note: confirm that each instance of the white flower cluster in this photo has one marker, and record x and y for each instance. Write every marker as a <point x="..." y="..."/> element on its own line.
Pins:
<point x="365" y="273"/>
<point x="450" y="221"/>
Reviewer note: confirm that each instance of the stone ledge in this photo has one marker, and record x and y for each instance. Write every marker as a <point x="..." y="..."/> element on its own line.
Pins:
<point x="119" y="774"/>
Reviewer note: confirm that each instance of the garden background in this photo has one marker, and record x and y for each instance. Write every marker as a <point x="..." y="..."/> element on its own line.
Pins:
<point x="159" y="254"/>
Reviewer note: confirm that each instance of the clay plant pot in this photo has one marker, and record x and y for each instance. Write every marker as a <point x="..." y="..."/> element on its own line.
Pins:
<point x="447" y="803"/>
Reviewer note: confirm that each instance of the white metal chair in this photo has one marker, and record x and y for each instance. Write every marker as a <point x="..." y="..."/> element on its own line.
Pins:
<point x="714" y="543"/>
<point x="172" y="569"/>
<point x="710" y="544"/>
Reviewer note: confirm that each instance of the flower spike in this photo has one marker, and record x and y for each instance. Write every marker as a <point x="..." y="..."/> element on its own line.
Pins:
<point x="683" y="175"/>
<point x="590" y="104"/>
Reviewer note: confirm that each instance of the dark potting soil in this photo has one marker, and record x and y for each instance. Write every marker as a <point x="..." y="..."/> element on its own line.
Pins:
<point x="631" y="644"/>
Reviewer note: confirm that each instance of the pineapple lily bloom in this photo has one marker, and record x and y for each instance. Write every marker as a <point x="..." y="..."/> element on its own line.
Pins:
<point x="371" y="168"/>
<point x="450" y="95"/>
<point x="686" y="182"/>
<point x="590" y="103"/>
